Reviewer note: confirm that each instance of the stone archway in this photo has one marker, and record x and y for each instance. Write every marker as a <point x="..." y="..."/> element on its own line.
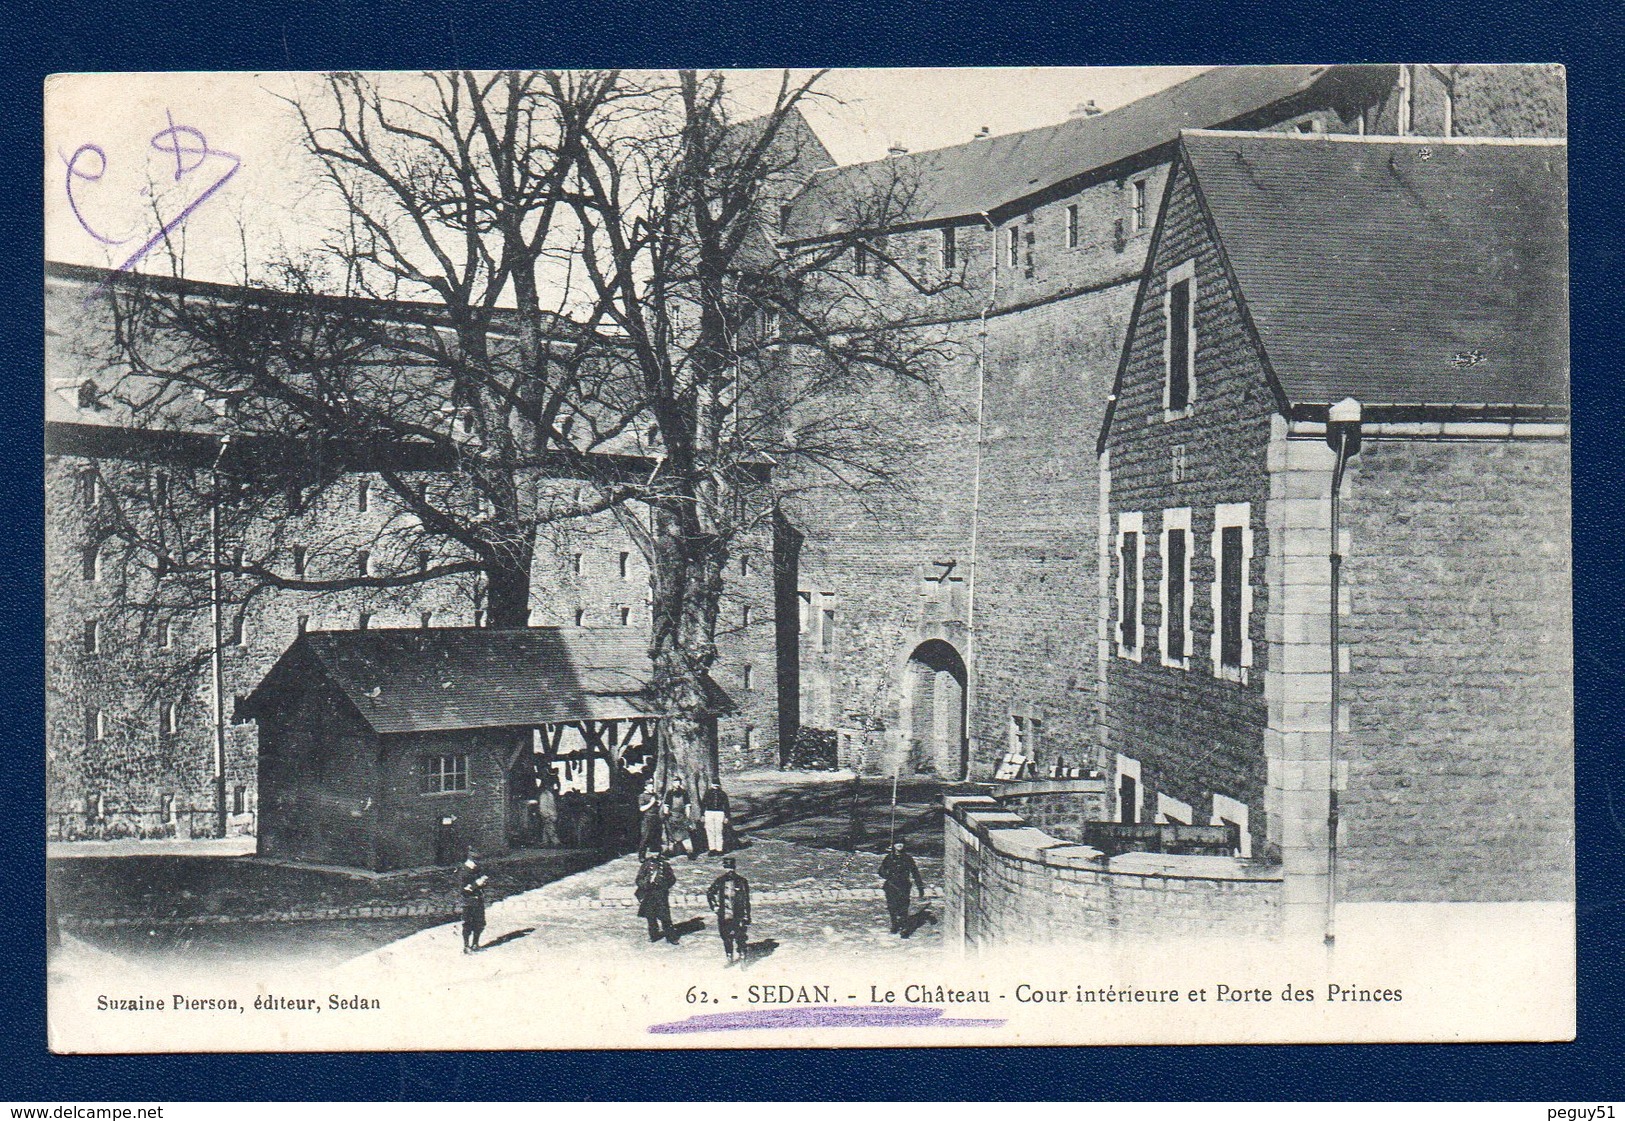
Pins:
<point x="934" y="690"/>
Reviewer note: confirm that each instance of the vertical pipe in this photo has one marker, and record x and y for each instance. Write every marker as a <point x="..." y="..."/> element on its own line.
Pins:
<point x="1341" y="447"/>
<point x="216" y="666"/>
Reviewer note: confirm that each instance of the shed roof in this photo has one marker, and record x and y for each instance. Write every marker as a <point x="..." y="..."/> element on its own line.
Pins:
<point x="982" y="175"/>
<point x="1397" y="271"/>
<point x="463" y="678"/>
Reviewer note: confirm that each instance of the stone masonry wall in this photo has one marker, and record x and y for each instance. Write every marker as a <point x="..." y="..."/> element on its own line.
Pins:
<point x="1058" y="807"/>
<point x="1194" y="733"/>
<point x="1005" y="882"/>
<point x="1458" y="694"/>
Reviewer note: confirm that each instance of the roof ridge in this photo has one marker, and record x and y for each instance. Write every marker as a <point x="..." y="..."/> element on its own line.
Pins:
<point x="1374" y="138"/>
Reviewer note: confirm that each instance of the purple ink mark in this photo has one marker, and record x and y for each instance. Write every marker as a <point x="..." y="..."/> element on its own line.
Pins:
<point x="191" y="150"/>
<point x="821" y="1016"/>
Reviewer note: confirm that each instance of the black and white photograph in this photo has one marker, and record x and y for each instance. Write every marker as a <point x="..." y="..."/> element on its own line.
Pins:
<point x="838" y="558"/>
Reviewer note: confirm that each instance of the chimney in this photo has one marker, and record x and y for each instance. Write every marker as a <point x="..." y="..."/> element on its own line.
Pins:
<point x="1087" y="109"/>
<point x="981" y="133"/>
<point x="896" y="149"/>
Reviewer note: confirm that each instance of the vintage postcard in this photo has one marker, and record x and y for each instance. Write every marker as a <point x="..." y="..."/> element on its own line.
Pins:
<point x="851" y="558"/>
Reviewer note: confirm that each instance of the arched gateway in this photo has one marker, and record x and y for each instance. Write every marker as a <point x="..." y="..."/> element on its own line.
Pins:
<point x="934" y="689"/>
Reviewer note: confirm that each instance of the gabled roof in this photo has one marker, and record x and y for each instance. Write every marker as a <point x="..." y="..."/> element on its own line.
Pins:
<point x="983" y="175"/>
<point x="1414" y="272"/>
<point x="451" y="679"/>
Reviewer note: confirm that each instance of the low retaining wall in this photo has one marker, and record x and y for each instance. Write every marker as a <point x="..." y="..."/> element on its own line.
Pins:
<point x="1059" y="806"/>
<point x="1006" y="881"/>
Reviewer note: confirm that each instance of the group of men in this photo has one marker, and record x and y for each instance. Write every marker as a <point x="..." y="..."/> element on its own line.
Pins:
<point x="669" y="825"/>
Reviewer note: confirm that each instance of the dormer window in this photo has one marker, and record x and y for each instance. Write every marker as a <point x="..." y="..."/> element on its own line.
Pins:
<point x="1179" y="352"/>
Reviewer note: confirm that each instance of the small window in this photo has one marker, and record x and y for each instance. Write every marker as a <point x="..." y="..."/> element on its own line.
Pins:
<point x="748" y="677"/>
<point x="1232" y="547"/>
<point x="239" y="632"/>
<point x="1230" y="596"/>
<point x="444" y="774"/>
<point x="860" y="260"/>
<point x="479" y="617"/>
<point x="423" y="561"/>
<point x="363" y="495"/>
<point x="238" y="559"/>
<point x="626" y="616"/>
<point x="827" y="631"/>
<point x="1137" y="202"/>
<point x="744" y="566"/>
<point x="804" y="606"/>
<point x="1024" y="736"/>
<point x="169" y="719"/>
<point x="784" y="217"/>
<point x="581" y="616"/>
<point x="160" y="488"/>
<point x="575" y="564"/>
<point x="1176" y="587"/>
<point x="363" y="563"/>
<point x="301" y="558"/>
<point x="625" y="565"/>
<point x="1180" y="349"/>
<point x="949" y="250"/>
<point x="425" y="619"/>
<point x="92" y="564"/>
<point x="1013" y="246"/>
<point x="302" y="624"/>
<point x="1130" y="566"/>
<point x="95" y="725"/>
<point x="166" y="634"/>
<point x="1233" y="812"/>
<point x="90" y="487"/>
<point x="750" y="738"/>
<point x="363" y="620"/>
<point x="1072" y="226"/>
<point x="93" y="636"/>
<point x="745" y="615"/>
<point x="239" y="799"/>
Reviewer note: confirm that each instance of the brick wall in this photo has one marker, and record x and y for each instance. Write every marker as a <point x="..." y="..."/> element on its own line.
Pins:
<point x="1007" y="882"/>
<point x="1458" y="690"/>
<point x="408" y="819"/>
<point x="1194" y="733"/>
<point x="319" y="783"/>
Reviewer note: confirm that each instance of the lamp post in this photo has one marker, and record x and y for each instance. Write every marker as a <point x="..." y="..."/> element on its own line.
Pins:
<point x="1343" y="434"/>
<point x="217" y="667"/>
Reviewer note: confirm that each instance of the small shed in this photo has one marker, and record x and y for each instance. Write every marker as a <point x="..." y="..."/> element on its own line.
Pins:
<point x="387" y="749"/>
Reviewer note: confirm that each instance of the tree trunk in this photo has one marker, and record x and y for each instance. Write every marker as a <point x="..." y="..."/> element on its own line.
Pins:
<point x="507" y="597"/>
<point x="687" y="585"/>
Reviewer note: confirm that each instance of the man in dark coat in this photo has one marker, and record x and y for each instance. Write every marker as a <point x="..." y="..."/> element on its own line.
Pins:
<point x="655" y="880"/>
<point x="729" y="898"/>
<point x="714" y="810"/>
<point x="897" y="871"/>
<point x="472" y="888"/>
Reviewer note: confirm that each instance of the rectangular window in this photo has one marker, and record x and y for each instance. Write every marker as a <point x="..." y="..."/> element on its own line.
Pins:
<point x="445" y="774"/>
<point x="1233" y="812"/>
<point x="1013" y="246"/>
<point x="93" y="637"/>
<point x="423" y="560"/>
<point x="301" y="557"/>
<point x="239" y="799"/>
<point x="626" y="616"/>
<point x="479" y="618"/>
<point x="750" y="739"/>
<point x="95" y="725"/>
<point x="860" y="260"/>
<point x="581" y="616"/>
<point x="744" y="566"/>
<point x="92" y="564"/>
<point x="1137" y="216"/>
<point x="90" y="483"/>
<point x="1232" y="551"/>
<point x="748" y="675"/>
<point x="363" y="495"/>
<point x="1176" y="587"/>
<point x="166" y="634"/>
<point x="625" y="565"/>
<point x="160" y="489"/>
<point x="425" y="619"/>
<point x="804" y="607"/>
<point x="745" y="615"/>
<point x="1181" y="339"/>
<point x="302" y="624"/>
<point x="784" y="217"/>
<point x="950" y="251"/>
<point x="1130" y="569"/>
<point x="1128" y="789"/>
<point x="363" y="563"/>
<point x="169" y="720"/>
<point x="1072" y="226"/>
<point x="827" y="631"/>
<point x="239" y="632"/>
<point x="363" y="620"/>
<point x="575" y="564"/>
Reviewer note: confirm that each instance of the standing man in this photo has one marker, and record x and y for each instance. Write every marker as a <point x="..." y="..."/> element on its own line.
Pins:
<point x="897" y="869"/>
<point x="729" y="897"/>
<point x="715" y="808"/>
<point x="648" y="820"/>
<point x="472" y="889"/>
<point x="655" y="880"/>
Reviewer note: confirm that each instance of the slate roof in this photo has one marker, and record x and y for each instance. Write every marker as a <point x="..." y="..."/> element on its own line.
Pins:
<point x="982" y="175"/>
<point x="462" y="678"/>
<point x="1397" y="272"/>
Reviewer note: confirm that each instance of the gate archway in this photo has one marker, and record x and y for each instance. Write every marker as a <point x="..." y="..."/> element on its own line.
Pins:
<point x="934" y="686"/>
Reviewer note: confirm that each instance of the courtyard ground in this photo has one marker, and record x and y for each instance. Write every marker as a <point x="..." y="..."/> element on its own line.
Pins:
<point x="806" y="836"/>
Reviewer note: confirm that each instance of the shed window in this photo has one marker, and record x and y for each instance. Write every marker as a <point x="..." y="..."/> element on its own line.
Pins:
<point x="444" y="774"/>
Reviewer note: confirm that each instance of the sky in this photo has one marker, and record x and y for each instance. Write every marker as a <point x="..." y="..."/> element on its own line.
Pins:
<point x="215" y="156"/>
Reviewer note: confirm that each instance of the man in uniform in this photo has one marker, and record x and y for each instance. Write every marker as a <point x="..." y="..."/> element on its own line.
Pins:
<point x="472" y="890"/>
<point x="729" y="898"/>
<point x="714" y="807"/>
<point x="648" y="821"/>
<point x="655" y="880"/>
<point x="897" y="870"/>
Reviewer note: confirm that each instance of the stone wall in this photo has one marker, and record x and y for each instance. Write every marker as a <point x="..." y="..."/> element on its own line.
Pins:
<point x="1007" y="882"/>
<point x="1058" y="806"/>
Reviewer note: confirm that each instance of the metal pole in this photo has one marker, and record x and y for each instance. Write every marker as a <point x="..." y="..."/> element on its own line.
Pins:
<point x="894" y="775"/>
<point x="215" y="654"/>
<point x="1342" y="420"/>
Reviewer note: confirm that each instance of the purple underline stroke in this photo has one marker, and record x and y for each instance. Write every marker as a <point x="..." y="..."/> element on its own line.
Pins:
<point x="821" y="1016"/>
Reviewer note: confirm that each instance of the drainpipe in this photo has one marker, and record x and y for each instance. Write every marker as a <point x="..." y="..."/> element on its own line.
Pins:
<point x="216" y="663"/>
<point x="1343" y="434"/>
<point x="976" y="484"/>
